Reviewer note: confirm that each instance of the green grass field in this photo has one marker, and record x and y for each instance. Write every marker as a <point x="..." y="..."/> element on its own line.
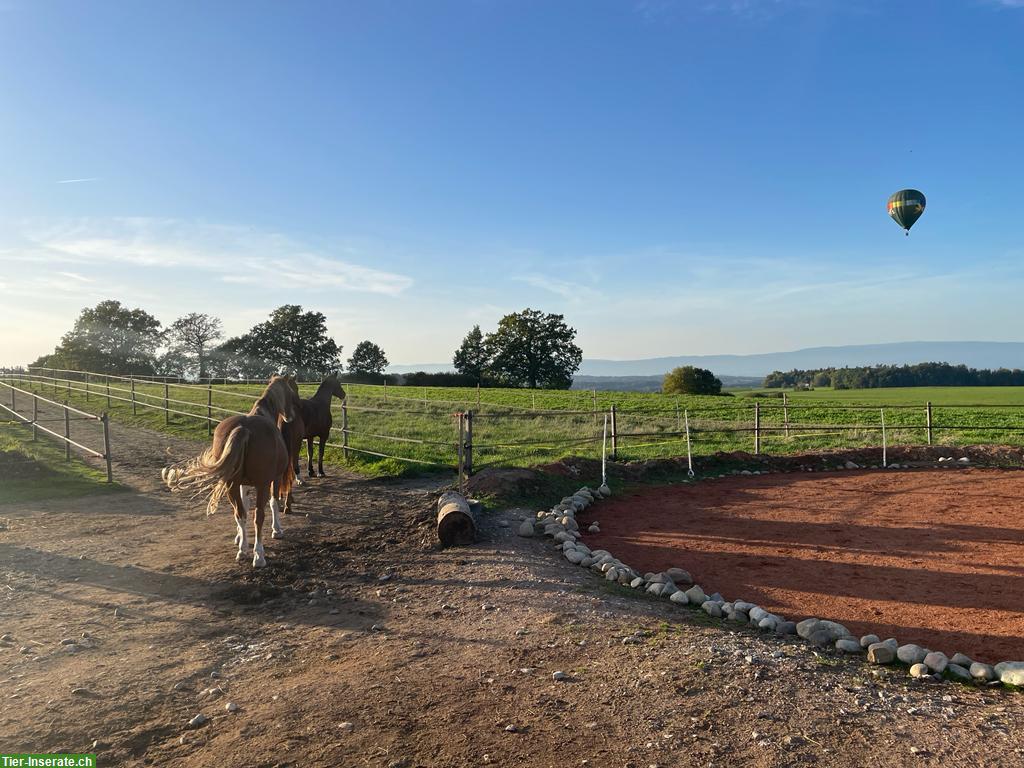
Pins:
<point x="33" y="470"/>
<point x="525" y="427"/>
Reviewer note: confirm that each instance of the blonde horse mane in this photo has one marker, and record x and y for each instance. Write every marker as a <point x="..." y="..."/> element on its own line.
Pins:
<point x="281" y="396"/>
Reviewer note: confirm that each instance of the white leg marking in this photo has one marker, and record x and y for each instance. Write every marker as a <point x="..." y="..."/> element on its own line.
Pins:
<point x="240" y="537"/>
<point x="258" y="560"/>
<point x="276" y="531"/>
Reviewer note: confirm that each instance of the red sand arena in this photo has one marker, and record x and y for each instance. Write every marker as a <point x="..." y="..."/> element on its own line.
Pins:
<point x="928" y="557"/>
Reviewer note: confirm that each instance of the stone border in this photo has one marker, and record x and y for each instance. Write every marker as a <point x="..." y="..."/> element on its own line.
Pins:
<point x="677" y="586"/>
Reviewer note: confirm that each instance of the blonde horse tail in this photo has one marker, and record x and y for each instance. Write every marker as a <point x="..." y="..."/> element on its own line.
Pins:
<point x="212" y="474"/>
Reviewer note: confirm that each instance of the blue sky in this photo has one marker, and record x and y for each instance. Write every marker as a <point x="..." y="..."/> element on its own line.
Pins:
<point x="675" y="177"/>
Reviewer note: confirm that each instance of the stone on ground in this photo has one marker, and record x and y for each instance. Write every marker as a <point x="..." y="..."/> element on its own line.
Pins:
<point x="1010" y="672"/>
<point x="880" y="653"/>
<point x="936" y="661"/>
<point x="911" y="654"/>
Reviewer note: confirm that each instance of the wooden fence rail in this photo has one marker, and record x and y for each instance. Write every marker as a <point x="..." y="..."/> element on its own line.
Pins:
<point x="37" y="425"/>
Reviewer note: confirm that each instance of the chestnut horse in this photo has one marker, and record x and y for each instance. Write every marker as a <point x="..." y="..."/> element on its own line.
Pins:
<point x="247" y="451"/>
<point x="316" y="413"/>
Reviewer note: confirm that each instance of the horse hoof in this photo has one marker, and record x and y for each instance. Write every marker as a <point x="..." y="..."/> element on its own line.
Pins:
<point x="298" y="480"/>
<point x="322" y="473"/>
<point x="312" y="473"/>
<point x="277" y="533"/>
<point x="240" y="556"/>
<point x="259" y="562"/>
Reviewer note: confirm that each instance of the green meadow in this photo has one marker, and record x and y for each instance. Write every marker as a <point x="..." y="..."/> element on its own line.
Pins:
<point x="524" y="427"/>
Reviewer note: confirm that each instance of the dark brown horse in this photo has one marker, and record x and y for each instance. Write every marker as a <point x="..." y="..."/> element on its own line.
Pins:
<point x="293" y="432"/>
<point x="316" y="413"/>
<point x="247" y="451"/>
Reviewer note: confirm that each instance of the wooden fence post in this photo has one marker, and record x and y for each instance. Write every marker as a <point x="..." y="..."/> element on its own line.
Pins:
<point x="679" y="424"/>
<point x="35" y="416"/>
<point x="928" y="420"/>
<point x="478" y="395"/>
<point x="757" y="428"/>
<point x="468" y="450"/>
<point x="461" y="447"/>
<point x="209" y="410"/>
<point x="87" y="387"/>
<point x="385" y="389"/>
<point x="67" y="434"/>
<point x="615" y="436"/>
<point x="53" y="375"/>
<point x="167" y="413"/>
<point x="595" y="406"/>
<point x="134" y="411"/>
<point x="106" y="446"/>
<point x="785" y="413"/>
<point x="344" y="429"/>
<point x="108" y="392"/>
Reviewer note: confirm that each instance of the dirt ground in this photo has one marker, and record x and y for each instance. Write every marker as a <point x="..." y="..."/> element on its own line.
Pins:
<point x="929" y="557"/>
<point x="362" y="644"/>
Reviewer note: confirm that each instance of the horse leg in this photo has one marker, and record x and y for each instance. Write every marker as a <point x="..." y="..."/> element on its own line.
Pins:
<point x="237" y="499"/>
<point x="276" y="531"/>
<point x="309" y="455"/>
<point x="320" y="459"/>
<point x="262" y="494"/>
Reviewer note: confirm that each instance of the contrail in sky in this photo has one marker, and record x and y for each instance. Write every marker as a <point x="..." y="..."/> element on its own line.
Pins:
<point x="76" y="181"/>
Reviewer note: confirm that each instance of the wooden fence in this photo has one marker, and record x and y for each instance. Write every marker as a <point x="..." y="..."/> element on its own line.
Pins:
<point x="9" y="403"/>
<point x="472" y="439"/>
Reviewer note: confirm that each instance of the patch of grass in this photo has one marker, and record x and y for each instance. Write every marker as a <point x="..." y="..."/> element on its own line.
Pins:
<point x="37" y="470"/>
<point x="513" y="427"/>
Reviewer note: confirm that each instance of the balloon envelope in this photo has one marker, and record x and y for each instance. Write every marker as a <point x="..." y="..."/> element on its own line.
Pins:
<point x="906" y="207"/>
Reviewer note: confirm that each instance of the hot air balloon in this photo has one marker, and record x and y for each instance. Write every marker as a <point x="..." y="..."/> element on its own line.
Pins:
<point x="906" y="207"/>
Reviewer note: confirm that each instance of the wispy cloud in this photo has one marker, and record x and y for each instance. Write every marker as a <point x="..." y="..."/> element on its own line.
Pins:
<point x="568" y="290"/>
<point x="77" y="181"/>
<point x="232" y="254"/>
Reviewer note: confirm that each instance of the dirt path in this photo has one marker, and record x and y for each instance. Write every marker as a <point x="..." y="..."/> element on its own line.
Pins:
<point x="363" y="645"/>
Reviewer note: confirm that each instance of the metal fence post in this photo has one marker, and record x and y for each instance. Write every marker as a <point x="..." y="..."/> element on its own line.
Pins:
<point x="885" y="457"/>
<point x="615" y="436"/>
<point x="209" y="410"/>
<point x="928" y="420"/>
<point x="757" y="428"/>
<point x="167" y="413"/>
<point x="344" y="429"/>
<point x="67" y="434"/>
<point x="468" y="451"/>
<point x="106" y="446"/>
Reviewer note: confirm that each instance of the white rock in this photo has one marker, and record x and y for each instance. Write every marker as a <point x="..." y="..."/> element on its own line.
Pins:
<point x="1010" y="672"/>
<point x="911" y="654"/>
<point x="696" y="595"/>
<point x="197" y="721"/>
<point x="231" y="706"/>
<point x="679" y="598"/>
<point x="604" y="490"/>
<point x="981" y="671"/>
<point x="594" y="528"/>
<point x="869" y="640"/>
<point x="637" y="582"/>
<point x="574" y="556"/>
<point x="559" y="676"/>
<point x="919" y="670"/>
<point x="848" y="645"/>
<point x="936" y="661"/>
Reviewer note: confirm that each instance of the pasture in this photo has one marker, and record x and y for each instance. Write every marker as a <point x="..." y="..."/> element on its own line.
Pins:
<point x="402" y="430"/>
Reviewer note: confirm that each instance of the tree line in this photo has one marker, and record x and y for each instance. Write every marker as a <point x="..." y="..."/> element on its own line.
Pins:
<point x="877" y="376"/>
<point x="528" y="348"/>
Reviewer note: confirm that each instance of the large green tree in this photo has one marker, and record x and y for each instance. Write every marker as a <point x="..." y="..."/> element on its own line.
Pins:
<point x="109" y="338"/>
<point x="472" y="358"/>
<point x="290" y="340"/>
<point x="188" y="341"/>
<point x="367" y="359"/>
<point x="534" y="349"/>
<point x="690" y="380"/>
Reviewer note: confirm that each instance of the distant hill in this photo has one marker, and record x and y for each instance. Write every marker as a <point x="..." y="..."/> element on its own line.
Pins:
<point x="976" y="354"/>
